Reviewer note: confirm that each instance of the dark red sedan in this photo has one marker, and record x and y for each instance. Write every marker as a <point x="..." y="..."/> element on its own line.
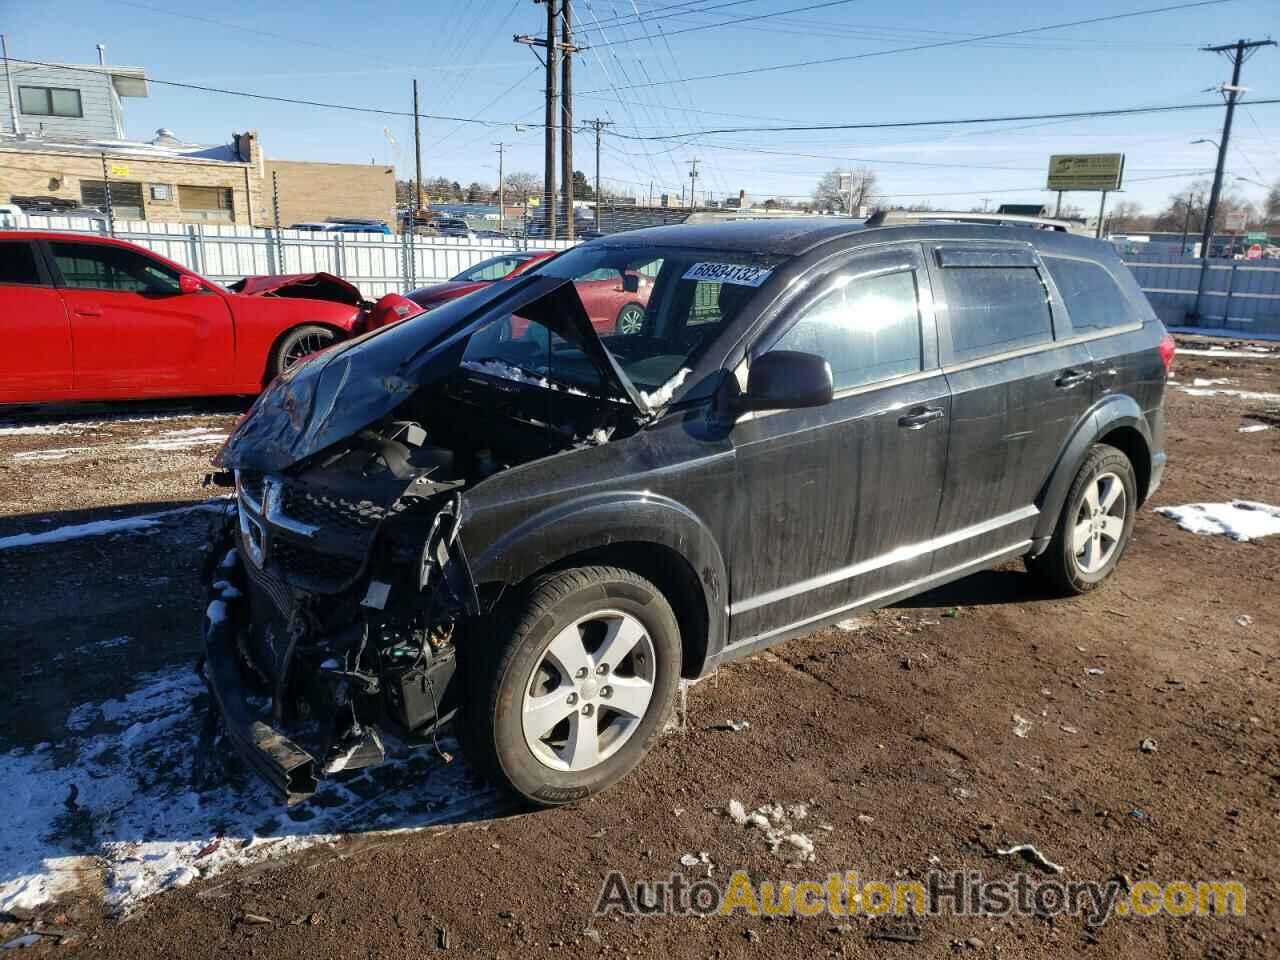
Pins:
<point x="91" y="318"/>
<point x="611" y="307"/>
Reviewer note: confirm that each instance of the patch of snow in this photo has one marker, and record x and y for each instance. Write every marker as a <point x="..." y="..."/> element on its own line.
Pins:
<point x="115" y="804"/>
<point x="1253" y="428"/>
<point x="1021" y="726"/>
<point x="1223" y="352"/>
<point x="505" y="371"/>
<point x="1210" y="381"/>
<point x="181" y="440"/>
<point x="97" y="528"/>
<point x="58" y="453"/>
<point x="1239" y="519"/>
<point x="662" y="396"/>
<point x="38" y="429"/>
<point x="1238" y="394"/>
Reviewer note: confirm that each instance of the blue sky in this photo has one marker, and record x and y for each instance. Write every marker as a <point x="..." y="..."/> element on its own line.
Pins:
<point x="466" y="64"/>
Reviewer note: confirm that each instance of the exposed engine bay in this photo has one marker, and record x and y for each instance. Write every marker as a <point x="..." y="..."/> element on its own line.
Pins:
<point x="352" y="581"/>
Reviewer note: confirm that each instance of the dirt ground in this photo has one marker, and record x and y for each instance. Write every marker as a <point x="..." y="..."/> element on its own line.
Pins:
<point x="898" y="735"/>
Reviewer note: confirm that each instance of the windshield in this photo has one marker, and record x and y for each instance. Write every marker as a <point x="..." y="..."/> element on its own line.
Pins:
<point x="495" y="268"/>
<point x="655" y="309"/>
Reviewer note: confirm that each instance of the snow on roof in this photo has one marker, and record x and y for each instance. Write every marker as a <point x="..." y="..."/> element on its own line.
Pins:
<point x="165" y="148"/>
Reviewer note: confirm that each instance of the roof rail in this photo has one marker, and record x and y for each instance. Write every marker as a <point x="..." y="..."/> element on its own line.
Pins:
<point x="887" y="218"/>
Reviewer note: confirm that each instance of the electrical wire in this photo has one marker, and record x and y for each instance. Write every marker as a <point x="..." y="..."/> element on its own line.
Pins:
<point x="1089" y="21"/>
<point x="900" y="124"/>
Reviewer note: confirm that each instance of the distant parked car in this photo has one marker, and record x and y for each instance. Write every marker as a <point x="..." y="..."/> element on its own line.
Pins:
<point x="102" y="319"/>
<point x="612" y="307"/>
<point x="360" y="228"/>
<point x="312" y="227"/>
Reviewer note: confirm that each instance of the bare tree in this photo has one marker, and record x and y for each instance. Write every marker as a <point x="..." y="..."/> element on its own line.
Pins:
<point x="1126" y="216"/>
<point x="521" y="183"/>
<point x="1273" y="202"/>
<point x="828" y="197"/>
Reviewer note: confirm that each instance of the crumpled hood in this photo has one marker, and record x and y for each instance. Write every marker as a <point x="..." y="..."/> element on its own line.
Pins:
<point x="345" y="388"/>
<point x="303" y="286"/>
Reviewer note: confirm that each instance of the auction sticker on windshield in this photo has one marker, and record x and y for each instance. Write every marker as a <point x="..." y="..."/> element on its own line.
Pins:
<point x="743" y="275"/>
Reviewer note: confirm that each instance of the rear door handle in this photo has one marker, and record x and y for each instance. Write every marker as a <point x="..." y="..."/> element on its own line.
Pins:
<point x="88" y="312"/>
<point x="918" y="417"/>
<point x="1072" y="378"/>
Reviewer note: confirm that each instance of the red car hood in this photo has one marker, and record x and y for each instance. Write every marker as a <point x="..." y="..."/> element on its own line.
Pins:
<point x="302" y="286"/>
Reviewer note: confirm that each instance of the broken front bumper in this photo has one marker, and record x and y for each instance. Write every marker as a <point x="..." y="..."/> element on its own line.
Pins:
<point x="289" y="769"/>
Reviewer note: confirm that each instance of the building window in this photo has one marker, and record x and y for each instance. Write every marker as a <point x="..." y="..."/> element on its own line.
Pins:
<point x="126" y="198"/>
<point x="50" y="102"/>
<point x="212" y="204"/>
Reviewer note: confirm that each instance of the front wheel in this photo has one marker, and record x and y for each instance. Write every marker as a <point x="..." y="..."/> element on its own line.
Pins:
<point x="630" y="319"/>
<point x="576" y="685"/>
<point x="1094" y="527"/>
<point x="298" y="343"/>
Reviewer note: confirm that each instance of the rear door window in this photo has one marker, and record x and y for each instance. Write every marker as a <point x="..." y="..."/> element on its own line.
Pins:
<point x="1094" y="300"/>
<point x="867" y="328"/>
<point x="18" y="263"/>
<point x="995" y="309"/>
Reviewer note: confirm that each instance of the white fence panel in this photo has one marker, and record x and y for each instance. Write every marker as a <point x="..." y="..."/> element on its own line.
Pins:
<point x="376" y="263"/>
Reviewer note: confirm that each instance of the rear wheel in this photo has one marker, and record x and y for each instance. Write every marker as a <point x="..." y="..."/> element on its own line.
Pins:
<point x="298" y="343"/>
<point x="1094" y="527"/>
<point x="574" y="686"/>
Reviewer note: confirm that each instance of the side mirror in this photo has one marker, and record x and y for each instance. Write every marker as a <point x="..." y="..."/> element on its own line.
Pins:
<point x="786" y="380"/>
<point x="189" y="284"/>
<point x="631" y="282"/>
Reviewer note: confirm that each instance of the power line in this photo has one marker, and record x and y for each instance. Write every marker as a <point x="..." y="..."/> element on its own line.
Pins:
<point x="352" y="108"/>
<point x="897" y="124"/>
<point x="735" y="21"/>
<point x="955" y="43"/>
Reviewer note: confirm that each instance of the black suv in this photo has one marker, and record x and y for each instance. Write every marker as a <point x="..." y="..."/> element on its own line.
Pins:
<point x="492" y="513"/>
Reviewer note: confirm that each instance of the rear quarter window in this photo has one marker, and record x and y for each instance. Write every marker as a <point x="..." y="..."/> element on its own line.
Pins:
<point x="1093" y="298"/>
<point x="18" y="263"/>
<point x="994" y="310"/>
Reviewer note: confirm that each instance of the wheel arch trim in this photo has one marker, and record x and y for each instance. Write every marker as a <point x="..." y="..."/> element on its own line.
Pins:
<point x="607" y="524"/>
<point x="1110" y="414"/>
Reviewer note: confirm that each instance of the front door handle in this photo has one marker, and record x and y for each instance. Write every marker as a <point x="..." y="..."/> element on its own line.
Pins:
<point x="1072" y="378"/>
<point x="88" y="312"/>
<point x="919" y="417"/>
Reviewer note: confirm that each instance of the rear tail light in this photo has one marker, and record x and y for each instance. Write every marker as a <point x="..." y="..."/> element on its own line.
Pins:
<point x="1167" y="349"/>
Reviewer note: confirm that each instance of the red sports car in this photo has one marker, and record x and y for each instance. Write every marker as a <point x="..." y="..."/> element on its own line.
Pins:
<point x="611" y="307"/>
<point x="91" y="318"/>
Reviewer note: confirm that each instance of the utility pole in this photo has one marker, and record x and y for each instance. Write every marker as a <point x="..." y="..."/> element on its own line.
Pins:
<point x="1238" y="53"/>
<point x="502" y="191"/>
<point x="693" y="180"/>
<point x="598" y="125"/>
<point x="566" y="114"/>
<point x="417" y="162"/>
<point x="553" y="48"/>
<point x="8" y="83"/>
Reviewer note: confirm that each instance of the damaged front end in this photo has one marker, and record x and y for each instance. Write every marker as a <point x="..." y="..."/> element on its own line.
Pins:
<point x="342" y="582"/>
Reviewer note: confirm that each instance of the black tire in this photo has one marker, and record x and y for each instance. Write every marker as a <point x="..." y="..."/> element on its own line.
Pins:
<point x="298" y="343"/>
<point x="630" y="319"/>
<point x="1061" y="569"/>
<point x="506" y="665"/>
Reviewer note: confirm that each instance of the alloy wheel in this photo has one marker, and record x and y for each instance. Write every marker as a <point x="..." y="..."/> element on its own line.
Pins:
<point x="592" y="686"/>
<point x="631" y="320"/>
<point x="1099" y="523"/>
<point x="306" y="345"/>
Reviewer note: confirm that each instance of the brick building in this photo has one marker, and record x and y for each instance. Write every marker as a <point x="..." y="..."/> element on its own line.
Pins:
<point x="62" y="137"/>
